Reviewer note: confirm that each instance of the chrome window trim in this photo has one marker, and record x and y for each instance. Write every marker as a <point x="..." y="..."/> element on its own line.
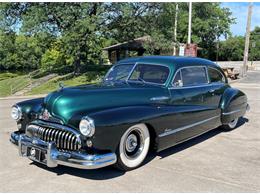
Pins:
<point x="153" y="64"/>
<point x="172" y="131"/>
<point x="131" y="71"/>
<point x="193" y="86"/>
<point x="219" y="72"/>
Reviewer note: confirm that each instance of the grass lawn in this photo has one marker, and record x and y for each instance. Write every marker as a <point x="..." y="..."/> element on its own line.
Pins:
<point x="10" y="82"/>
<point x="67" y="80"/>
<point x="8" y="75"/>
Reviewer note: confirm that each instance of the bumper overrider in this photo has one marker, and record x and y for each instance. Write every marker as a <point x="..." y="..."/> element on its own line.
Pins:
<point x="48" y="154"/>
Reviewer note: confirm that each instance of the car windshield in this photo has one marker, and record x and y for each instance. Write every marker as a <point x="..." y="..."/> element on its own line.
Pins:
<point x="119" y="72"/>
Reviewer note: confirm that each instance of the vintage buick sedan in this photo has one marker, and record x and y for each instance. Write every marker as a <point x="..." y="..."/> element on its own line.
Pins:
<point x="142" y="103"/>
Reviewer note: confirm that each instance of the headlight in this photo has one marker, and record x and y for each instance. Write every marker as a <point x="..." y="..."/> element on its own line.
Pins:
<point x="87" y="126"/>
<point x="16" y="113"/>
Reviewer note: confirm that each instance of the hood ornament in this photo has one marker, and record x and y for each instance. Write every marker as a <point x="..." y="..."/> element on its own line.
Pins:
<point x="61" y="86"/>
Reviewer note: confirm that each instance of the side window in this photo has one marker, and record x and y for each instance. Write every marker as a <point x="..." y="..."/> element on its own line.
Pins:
<point x="194" y="76"/>
<point x="215" y="75"/>
<point x="150" y="73"/>
<point x="177" y="82"/>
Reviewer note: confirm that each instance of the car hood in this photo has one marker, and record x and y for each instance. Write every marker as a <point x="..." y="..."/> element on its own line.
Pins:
<point x="83" y="100"/>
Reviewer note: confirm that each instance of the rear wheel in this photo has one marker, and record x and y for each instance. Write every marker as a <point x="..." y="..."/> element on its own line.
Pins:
<point x="231" y="125"/>
<point x="133" y="147"/>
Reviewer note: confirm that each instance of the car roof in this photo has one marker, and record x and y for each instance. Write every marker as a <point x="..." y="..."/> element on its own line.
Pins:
<point x="169" y="60"/>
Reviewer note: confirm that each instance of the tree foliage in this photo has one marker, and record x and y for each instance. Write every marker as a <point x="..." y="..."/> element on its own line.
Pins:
<point x="55" y="35"/>
<point x="232" y="49"/>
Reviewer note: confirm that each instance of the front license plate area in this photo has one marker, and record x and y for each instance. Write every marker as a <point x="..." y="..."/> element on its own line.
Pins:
<point x="36" y="154"/>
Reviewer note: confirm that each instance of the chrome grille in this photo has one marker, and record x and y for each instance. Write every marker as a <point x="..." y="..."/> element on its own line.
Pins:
<point x="65" y="140"/>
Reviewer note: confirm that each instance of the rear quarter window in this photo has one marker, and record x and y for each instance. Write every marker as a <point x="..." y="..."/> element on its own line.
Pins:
<point x="215" y="76"/>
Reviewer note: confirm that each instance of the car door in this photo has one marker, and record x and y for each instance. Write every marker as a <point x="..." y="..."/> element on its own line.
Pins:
<point x="189" y="95"/>
<point x="217" y="87"/>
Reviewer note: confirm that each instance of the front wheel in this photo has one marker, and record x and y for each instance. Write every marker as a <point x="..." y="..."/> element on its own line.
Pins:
<point x="231" y="125"/>
<point x="133" y="147"/>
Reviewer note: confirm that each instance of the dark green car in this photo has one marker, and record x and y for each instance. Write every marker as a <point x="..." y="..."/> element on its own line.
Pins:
<point x="142" y="103"/>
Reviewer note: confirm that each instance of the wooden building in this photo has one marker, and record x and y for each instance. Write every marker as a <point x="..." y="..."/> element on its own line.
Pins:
<point x="136" y="48"/>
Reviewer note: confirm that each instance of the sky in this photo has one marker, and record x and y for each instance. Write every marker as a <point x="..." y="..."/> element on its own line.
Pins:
<point x="239" y="11"/>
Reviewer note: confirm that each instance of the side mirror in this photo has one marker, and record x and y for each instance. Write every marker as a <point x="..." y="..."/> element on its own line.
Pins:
<point x="178" y="83"/>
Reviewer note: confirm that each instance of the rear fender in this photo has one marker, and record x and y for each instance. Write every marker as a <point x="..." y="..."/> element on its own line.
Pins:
<point x="233" y="105"/>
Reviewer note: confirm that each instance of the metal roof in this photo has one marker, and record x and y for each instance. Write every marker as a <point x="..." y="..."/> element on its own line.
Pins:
<point x="169" y="60"/>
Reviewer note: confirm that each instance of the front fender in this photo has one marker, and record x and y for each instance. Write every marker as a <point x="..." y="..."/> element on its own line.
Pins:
<point x="29" y="108"/>
<point x="111" y="124"/>
<point x="233" y="105"/>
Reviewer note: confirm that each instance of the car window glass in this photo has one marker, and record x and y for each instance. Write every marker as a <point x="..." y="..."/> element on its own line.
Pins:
<point x="119" y="72"/>
<point x="150" y="73"/>
<point x="194" y="76"/>
<point x="177" y="82"/>
<point x="215" y="75"/>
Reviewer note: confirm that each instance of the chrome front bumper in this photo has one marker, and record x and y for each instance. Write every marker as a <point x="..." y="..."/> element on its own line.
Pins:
<point x="49" y="155"/>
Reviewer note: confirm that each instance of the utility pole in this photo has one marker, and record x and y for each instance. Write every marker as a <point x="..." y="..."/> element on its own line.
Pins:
<point x="189" y="30"/>
<point x="175" y="29"/>
<point x="244" y="68"/>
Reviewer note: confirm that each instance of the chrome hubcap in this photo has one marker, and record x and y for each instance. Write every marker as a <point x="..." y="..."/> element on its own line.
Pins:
<point x="233" y="123"/>
<point x="134" y="144"/>
<point x="131" y="143"/>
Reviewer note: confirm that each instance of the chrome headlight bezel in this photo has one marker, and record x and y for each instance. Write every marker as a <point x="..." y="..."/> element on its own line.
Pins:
<point x="16" y="113"/>
<point x="87" y="126"/>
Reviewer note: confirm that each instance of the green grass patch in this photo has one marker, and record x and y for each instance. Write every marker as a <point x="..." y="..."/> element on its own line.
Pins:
<point x="13" y="84"/>
<point x="67" y="80"/>
<point x="7" y="75"/>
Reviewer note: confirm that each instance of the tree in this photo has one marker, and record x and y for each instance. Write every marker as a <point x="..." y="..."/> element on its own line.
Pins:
<point x="254" y="49"/>
<point x="127" y="21"/>
<point x="232" y="49"/>
<point x="131" y="20"/>
<point x="29" y="31"/>
<point x="76" y="24"/>
<point x="7" y="50"/>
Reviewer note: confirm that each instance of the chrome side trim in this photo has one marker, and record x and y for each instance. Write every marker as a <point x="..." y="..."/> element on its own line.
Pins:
<point x="172" y="131"/>
<point x="232" y="112"/>
<point x="55" y="157"/>
<point x="160" y="98"/>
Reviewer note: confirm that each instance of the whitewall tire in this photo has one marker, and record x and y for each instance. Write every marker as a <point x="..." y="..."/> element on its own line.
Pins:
<point x="231" y="125"/>
<point x="133" y="147"/>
